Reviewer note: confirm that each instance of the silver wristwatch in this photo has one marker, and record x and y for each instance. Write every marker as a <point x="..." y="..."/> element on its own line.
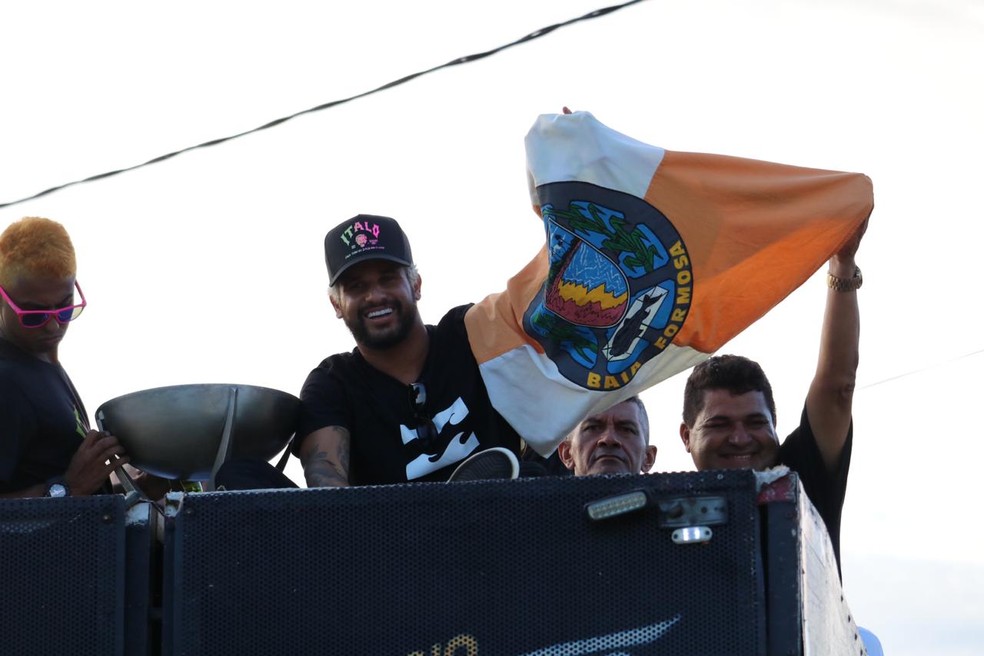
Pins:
<point x="56" y="488"/>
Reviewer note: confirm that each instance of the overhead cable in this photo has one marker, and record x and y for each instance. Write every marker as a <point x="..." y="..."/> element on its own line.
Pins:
<point x="334" y="103"/>
<point x="922" y="370"/>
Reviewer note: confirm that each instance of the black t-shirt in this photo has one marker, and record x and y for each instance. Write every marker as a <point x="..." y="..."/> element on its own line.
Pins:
<point x="42" y="419"/>
<point x="389" y="441"/>
<point x="826" y="489"/>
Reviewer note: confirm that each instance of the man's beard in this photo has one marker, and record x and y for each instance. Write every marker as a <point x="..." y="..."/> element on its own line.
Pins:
<point x="388" y="338"/>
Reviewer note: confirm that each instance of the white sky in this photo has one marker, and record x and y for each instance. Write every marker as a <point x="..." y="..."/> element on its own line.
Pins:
<point x="209" y="267"/>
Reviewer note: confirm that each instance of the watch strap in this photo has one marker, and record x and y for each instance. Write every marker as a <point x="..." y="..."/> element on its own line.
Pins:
<point x="845" y="284"/>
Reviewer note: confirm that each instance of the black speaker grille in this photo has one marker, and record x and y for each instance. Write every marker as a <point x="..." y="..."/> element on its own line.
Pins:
<point x="62" y="564"/>
<point x="492" y="567"/>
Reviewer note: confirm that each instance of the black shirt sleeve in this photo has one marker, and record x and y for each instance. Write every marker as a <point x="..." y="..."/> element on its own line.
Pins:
<point x="826" y="489"/>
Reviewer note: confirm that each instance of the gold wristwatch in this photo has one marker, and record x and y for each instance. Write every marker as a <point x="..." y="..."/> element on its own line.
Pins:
<point x="845" y="284"/>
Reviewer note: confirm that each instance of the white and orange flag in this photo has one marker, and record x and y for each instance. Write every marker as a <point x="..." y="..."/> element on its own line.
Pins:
<point x="653" y="260"/>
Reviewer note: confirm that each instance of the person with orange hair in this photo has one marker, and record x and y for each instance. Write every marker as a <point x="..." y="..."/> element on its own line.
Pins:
<point x="46" y="445"/>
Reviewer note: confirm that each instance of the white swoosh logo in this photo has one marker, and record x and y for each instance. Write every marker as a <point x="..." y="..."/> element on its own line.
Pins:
<point x="606" y="644"/>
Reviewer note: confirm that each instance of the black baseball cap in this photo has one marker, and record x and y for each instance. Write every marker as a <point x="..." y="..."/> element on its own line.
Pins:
<point x="362" y="238"/>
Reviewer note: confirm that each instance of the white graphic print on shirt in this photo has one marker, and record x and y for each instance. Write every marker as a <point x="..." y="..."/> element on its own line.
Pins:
<point x="460" y="447"/>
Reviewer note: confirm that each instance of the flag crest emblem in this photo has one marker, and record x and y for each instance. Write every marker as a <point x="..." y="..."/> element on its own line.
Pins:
<point x="611" y="289"/>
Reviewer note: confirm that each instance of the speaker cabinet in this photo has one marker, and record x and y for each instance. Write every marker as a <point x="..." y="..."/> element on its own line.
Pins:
<point x="64" y="572"/>
<point x="489" y="567"/>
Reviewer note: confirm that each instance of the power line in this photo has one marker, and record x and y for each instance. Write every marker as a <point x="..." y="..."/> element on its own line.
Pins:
<point x="334" y="103"/>
<point x="921" y="370"/>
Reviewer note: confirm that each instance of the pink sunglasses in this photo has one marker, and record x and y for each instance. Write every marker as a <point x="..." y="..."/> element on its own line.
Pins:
<point x="38" y="318"/>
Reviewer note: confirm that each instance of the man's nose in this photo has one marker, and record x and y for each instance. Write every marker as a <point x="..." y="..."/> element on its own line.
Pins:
<point x="739" y="435"/>
<point x="374" y="292"/>
<point x="52" y="325"/>
<point x="608" y="436"/>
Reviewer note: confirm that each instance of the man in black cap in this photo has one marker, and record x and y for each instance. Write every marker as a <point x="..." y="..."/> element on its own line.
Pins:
<point x="408" y="403"/>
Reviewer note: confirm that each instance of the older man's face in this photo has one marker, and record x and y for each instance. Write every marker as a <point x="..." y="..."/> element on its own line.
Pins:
<point x="612" y="442"/>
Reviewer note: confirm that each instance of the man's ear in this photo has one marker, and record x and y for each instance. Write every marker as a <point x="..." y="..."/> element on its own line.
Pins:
<point x="338" y="310"/>
<point x="564" y="453"/>
<point x="416" y="289"/>
<point x="650" y="459"/>
<point x="685" y="436"/>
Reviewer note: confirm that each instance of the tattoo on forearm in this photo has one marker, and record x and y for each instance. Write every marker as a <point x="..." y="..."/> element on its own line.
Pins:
<point x="321" y="471"/>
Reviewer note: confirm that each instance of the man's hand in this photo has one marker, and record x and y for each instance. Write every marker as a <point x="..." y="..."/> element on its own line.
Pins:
<point x="842" y="263"/>
<point x="151" y="486"/>
<point x="97" y="456"/>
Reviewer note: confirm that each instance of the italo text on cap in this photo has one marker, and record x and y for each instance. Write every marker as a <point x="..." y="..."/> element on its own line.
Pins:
<point x="362" y="238"/>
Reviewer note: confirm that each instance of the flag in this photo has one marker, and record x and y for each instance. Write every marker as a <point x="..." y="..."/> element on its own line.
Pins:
<point x="653" y="260"/>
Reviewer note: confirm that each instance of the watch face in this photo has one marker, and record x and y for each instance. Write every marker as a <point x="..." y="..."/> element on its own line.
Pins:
<point x="57" y="490"/>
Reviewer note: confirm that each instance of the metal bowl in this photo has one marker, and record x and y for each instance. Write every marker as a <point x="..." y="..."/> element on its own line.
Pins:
<point x="186" y="431"/>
